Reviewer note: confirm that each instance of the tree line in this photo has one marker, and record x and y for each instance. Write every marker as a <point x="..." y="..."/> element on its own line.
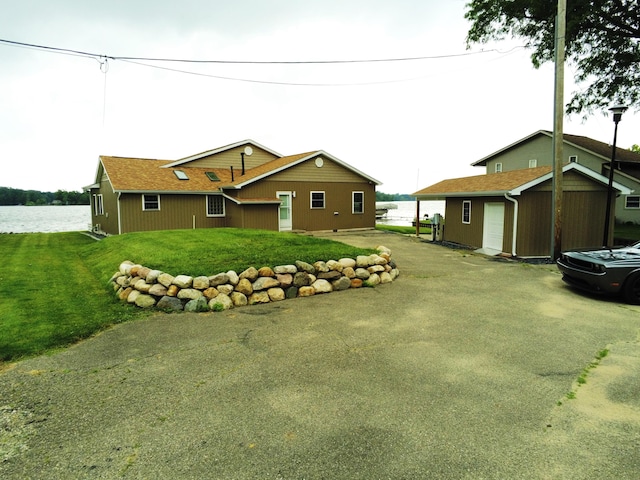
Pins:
<point x="393" y="197"/>
<point x="16" y="196"/>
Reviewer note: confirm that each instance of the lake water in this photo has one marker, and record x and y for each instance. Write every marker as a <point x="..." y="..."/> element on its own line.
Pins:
<point x="406" y="211"/>
<point x="21" y="219"/>
<point x="72" y="218"/>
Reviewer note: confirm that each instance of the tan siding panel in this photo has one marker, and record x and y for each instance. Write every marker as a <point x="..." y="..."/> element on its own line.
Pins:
<point x="233" y="157"/>
<point x="458" y="232"/>
<point x="534" y="224"/>
<point x="329" y="172"/>
<point x="176" y="212"/>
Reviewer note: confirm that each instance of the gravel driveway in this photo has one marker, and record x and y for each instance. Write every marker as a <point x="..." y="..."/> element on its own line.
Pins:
<point x="461" y="368"/>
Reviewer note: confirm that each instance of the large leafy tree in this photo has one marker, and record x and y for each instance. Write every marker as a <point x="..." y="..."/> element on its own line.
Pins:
<point x="602" y="43"/>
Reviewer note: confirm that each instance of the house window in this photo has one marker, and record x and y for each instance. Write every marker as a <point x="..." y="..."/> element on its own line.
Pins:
<point x="573" y="159"/>
<point x="215" y="206"/>
<point x="498" y="167"/>
<point x="98" y="209"/>
<point x="466" y="211"/>
<point x="150" y="202"/>
<point x="357" y="202"/>
<point x="317" y="199"/>
<point x="632" y="201"/>
<point x="533" y="163"/>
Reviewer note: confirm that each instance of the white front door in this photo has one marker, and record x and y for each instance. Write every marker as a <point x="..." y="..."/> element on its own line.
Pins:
<point x="493" y="226"/>
<point x="284" y="212"/>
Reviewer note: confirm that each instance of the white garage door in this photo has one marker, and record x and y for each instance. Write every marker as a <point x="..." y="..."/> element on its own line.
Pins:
<point x="493" y="227"/>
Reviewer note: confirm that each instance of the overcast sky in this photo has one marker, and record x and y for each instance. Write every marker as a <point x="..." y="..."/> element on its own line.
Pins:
<point x="408" y="124"/>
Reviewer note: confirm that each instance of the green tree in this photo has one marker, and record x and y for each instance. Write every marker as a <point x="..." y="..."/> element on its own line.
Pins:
<point x="602" y="43"/>
<point x="635" y="148"/>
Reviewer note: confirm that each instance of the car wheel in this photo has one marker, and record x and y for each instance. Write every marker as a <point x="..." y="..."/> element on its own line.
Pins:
<point x="632" y="288"/>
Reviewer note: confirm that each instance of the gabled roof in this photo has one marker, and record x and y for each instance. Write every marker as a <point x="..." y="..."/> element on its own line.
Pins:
<point x="590" y="145"/>
<point x="512" y="183"/>
<point x="145" y="175"/>
<point x="219" y="150"/>
<point x="137" y="175"/>
<point x="280" y="164"/>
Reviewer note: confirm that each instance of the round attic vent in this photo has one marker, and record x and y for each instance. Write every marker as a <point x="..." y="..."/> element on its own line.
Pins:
<point x="319" y="162"/>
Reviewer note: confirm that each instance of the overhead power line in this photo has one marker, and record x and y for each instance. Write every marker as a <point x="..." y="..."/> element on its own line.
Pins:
<point x="246" y="62"/>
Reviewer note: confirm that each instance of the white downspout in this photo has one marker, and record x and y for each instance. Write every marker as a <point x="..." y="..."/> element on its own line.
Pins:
<point x="515" y="223"/>
<point x="119" y="215"/>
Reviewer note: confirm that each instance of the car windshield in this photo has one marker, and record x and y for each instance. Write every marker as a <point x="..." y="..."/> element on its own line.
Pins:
<point x="635" y="246"/>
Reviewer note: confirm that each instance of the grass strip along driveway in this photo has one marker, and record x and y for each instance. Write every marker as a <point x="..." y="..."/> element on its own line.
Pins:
<point x="54" y="289"/>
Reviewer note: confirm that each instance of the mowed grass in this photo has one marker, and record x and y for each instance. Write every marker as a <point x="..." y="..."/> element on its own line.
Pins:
<point x="54" y="287"/>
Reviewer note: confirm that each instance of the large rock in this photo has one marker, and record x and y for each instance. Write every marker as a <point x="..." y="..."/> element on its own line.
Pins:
<point x="244" y="286"/>
<point x="291" y="292"/>
<point x="250" y="274"/>
<point x="133" y="295"/>
<point x="302" y="279"/>
<point x="219" y="279"/>
<point x="227" y="288"/>
<point x="125" y="267"/>
<point x="334" y="266"/>
<point x="347" y="262"/>
<point x="170" y="304"/>
<point x="320" y="267"/>
<point x="343" y="283"/>
<point x="123" y="281"/>
<point x="382" y="249"/>
<point x="385" y="277"/>
<point x="362" y="261"/>
<point x="172" y="290"/>
<point x="330" y="275"/>
<point x="284" y="279"/>
<point x="266" y="272"/>
<point x="145" y="301"/>
<point x="362" y="273"/>
<point x="124" y="293"/>
<point x="356" y="283"/>
<point x="196" y="305"/>
<point x="263" y="283"/>
<point x="152" y="276"/>
<point x="238" y="299"/>
<point x="276" y="294"/>
<point x="349" y="272"/>
<point x="259" y="297"/>
<point x="183" y="281"/>
<point x="143" y="272"/>
<point x="189" y="294"/>
<point x="165" y="279"/>
<point x="221" y="302"/>
<point x="233" y="277"/>
<point x="201" y="283"/>
<point x="374" y="279"/>
<point x="306" y="291"/>
<point x="305" y="267"/>
<point x="322" y="286"/>
<point x="284" y="269"/>
<point x="158" y="290"/>
<point x="210" y="293"/>
<point x="375" y="269"/>
<point x="142" y="286"/>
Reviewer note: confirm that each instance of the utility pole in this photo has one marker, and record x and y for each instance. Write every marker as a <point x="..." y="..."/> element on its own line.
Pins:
<point x="558" y="132"/>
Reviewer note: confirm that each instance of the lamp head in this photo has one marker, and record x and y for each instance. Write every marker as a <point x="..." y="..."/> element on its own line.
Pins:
<point x="617" y="111"/>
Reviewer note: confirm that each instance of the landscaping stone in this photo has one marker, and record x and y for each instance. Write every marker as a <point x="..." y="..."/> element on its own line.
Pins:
<point x="147" y="288"/>
<point x="170" y="304"/>
<point x="183" y="281"/>
<point x="197" y="305"/>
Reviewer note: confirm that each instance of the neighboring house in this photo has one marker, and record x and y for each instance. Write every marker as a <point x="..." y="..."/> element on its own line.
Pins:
<point x="510" y="212"/>
<point x="536" y="149"/>
<point x="244" y="185"/>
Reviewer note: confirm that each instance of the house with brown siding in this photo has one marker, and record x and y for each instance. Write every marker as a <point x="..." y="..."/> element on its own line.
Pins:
<point x="243" y="185"/>
<point x="535" y="151"/>
<point x="510" y="211"/>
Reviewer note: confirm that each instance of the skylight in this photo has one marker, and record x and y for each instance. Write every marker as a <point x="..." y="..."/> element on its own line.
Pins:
<point x="212" y="176"/>
<point x="181" y="175"/>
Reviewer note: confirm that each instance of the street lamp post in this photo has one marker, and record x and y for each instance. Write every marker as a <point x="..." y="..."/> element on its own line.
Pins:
<point x="617" y="115"/>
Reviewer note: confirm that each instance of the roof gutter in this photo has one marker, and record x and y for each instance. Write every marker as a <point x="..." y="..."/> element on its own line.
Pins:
<point x="515" y="223"/>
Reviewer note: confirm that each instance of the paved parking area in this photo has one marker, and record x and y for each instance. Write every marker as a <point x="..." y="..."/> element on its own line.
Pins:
<point x="459" y="369"/>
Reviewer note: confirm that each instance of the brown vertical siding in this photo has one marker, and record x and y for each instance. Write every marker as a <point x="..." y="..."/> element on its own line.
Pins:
<point x="176" y="212"/>
<point x="337" y="199"/>
<point x="233" y="158"/>
<point x="534" y="224"/>
<point x="109" y="220"/>
<point x="462" y="233"/>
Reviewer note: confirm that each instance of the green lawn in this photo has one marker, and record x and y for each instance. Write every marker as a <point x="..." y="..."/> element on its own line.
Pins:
<point x="54" y="287"/>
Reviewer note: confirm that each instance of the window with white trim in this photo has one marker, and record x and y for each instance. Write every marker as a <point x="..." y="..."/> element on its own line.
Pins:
<point x="466" y="211"/>
<point x="632" y="201"/>
<point x="573" y="159"/>
<point x="98" y="208"/>
<point x="357" y="202"/>
<point x="498" y="167"/>
<point x="317" y="199"/>
<point x="215" y="206"/>
<point x="150" y="203"/>
<point x="533" y="163"/>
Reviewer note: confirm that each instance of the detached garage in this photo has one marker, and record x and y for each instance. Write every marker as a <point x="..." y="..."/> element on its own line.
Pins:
<point x="510" y="212"/>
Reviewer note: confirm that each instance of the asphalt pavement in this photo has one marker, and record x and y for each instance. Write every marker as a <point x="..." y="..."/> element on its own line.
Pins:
<point x="465" y="367"/>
